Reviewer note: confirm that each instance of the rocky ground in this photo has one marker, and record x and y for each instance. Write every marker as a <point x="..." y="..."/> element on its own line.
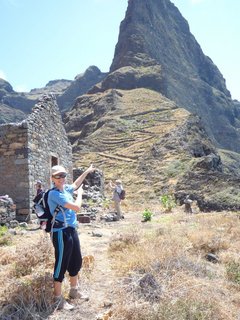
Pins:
<point x="186" y="241"/>
<point x="99" y="279"/>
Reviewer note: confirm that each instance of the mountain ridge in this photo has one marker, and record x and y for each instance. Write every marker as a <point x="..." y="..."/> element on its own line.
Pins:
<point x="136" y="121"/>
<point x="66" y="91"/>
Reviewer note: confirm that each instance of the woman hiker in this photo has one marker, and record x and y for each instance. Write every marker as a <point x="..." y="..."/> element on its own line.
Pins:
<point x="64" y="234"/>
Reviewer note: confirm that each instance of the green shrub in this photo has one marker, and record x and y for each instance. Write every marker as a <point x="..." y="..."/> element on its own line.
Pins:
<point x="3" y="230"/>
<point x="90" y="203"/>
<point x="147" y="215"/>
<point x="168" y="202"/>
<point x="106" y="203"/>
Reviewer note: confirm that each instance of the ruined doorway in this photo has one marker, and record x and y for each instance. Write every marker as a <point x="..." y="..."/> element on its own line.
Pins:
<point x="54" y="161"/>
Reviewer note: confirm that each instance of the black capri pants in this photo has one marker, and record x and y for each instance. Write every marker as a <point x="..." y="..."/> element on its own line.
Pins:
<point x="68" y="255"/>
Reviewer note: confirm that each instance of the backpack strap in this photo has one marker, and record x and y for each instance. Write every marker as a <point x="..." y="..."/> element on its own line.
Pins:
<point x="58" y="208"/>
<point x="64" y="216"/>
<point x="54" y="216"/>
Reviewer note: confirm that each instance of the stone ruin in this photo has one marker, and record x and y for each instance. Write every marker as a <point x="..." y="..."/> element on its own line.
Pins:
<point x="28" y="150"/>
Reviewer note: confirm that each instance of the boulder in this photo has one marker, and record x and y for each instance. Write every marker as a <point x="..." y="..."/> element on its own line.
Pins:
<point x="7" y="210"/>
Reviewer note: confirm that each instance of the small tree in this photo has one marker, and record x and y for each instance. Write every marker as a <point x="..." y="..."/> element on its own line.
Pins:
<point x="168" y="202"/>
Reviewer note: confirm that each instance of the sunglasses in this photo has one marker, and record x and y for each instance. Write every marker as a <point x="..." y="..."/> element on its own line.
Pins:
<point x="60" y="175"/>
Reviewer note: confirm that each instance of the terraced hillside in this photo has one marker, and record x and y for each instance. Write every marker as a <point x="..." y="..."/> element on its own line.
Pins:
<point x="126" y="134"/>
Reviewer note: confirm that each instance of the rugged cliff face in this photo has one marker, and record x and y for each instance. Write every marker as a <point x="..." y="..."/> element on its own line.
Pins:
<point x="81" y="84"/>
<point x="156" y="50"/>
<point x="156" y="119"/>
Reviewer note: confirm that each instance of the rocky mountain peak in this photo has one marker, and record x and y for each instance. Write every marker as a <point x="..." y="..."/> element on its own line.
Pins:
<point x="155" y="29"/>
<point x="156" y="50"/>
<point x="157" y="118"/>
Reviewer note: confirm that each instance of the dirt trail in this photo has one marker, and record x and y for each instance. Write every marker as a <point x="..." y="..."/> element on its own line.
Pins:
<point x="99" y="280"/>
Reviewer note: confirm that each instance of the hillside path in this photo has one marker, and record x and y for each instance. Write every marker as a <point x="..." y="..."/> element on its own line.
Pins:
<point x="99" y="280"/>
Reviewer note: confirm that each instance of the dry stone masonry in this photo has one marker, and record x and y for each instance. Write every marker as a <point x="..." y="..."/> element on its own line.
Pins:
<point x="28" y="150"/>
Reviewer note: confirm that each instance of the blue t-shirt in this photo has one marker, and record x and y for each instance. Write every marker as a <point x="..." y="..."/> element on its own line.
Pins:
<point x="60" y="198"/>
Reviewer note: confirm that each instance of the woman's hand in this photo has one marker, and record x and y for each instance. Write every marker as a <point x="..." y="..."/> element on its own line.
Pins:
<point x="90" y="169"/>
<point x="80" y="179"/>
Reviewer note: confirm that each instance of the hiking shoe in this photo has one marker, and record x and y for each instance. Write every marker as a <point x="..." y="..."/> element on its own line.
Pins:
<point x="61" y="304"/>
<point x="74" y="293"/>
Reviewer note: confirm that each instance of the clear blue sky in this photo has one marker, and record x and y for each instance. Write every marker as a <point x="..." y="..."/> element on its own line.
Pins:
<point x="43" y="40"/>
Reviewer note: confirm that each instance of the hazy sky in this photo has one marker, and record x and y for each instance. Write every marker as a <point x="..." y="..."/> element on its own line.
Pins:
<point x="43" y="40"/>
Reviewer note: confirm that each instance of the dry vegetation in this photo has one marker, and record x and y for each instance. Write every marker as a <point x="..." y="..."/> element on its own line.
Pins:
<point x="165" y="274"/>
<point x="159" y="270"/>
<point x="26" y="275"/>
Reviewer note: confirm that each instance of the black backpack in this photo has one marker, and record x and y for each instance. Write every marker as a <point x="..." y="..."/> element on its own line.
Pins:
<point x="42" y="210"/>
<point x="122" y="194"/>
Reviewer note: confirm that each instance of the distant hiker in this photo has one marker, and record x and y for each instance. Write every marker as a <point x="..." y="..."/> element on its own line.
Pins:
<point x="64" y="234"/>
<point x="117" y="191"/>
<point x="39" y="187"/>
<point x="187" y="203"/>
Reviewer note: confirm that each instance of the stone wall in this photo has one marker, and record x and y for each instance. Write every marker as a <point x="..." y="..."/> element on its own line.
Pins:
<point x="27" y="152"/>
<point x="14" y="169"/>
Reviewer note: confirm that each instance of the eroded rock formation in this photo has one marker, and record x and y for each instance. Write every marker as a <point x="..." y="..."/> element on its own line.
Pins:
<point x="156" y="50"/>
